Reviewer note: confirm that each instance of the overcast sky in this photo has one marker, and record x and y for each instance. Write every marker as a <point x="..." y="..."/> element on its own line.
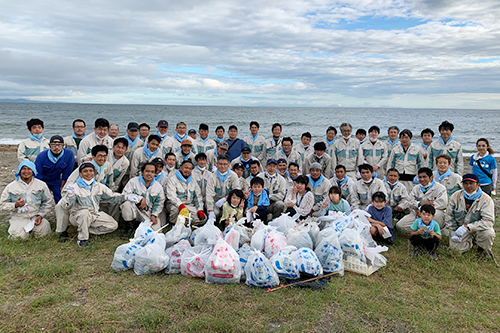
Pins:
<point x="379" y="53"/>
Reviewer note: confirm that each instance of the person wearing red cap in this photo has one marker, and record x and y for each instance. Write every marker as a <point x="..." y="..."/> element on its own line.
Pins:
<point x="471" y="216"/>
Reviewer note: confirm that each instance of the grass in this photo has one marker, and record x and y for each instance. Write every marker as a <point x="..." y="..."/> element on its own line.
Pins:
<point x="62" y="288"/>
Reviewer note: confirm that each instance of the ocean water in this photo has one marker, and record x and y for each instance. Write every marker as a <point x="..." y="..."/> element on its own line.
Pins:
<point x="469" y="124"/>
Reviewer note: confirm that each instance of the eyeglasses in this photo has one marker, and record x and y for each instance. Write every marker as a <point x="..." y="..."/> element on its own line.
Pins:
<point x="101" y="156"/>
<point x="56" y="144"/>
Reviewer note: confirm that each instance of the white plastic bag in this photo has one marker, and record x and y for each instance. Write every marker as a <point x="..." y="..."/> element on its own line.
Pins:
<point x="274" y="242"/>
<point x="174" y="253"/>
<point x="208" y="234"/>
<point x="352" y="245"/>
<point x="330" y="255"/>
<point x="313" y="230"/>
<point x="260" y="272"/>
<point x="259" y="237"/>
<point x="194" y="259"/>
<point x="178" y="232"/>
<point x="307" y="261"/>
<point x="143" y="233"/>
<point x="239" y="226"/>
<point x="232" y="237"/>
<point x="284" y="265"/>
<point x="299" y="237"/>
<point x="284" y="222"/>
<point x="124" y="257"/>
<point x="150" y="259"/>
<point x="223" y="264"/>
<point x="244" y="253"/>
<point x="326" y="232"/>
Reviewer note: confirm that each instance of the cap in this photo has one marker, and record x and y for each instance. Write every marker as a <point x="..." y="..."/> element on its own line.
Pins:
<point x="192" y="131"/>
<point x="162" y="123"/>
<point x="56" y="139"/>
<point x="186" y="142"/>
<point x="158" y="160"/>
<point x="315" y="165"/>
<point x="282" y="160"/>
<point x="86" y="165"/>
<point x="271" y="160"/>
<point x="223" y="145"/>
<point x="470" y="176"/>
<point x="133" y="126"/>
<point x="246" y="150"/>
<point x="237" y="165"/>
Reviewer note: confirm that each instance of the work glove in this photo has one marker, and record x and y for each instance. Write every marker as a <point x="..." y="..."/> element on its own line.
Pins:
<point x="183" y="211"/>
<point x="220" y="202"/>
<point x="461" y="231"/>
<point x="456" y="239"/>
<point x="211" y="216"/>
<point x="70" y="188"/>
<point x="133" y="198"/>
<point x="22" y="209"/>
<point x="200" y="215"/>
<point x="214" y="168"/>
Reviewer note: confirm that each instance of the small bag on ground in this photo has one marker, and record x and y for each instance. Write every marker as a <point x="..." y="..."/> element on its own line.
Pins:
<point x="124" y="258"/>
<point x="307" y="261"/>
<point x="260" y="272"/>
<point x="194" y="259"/>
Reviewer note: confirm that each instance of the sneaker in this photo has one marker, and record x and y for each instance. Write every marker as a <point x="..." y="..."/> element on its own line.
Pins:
<point x="63" y="237"/>
<point x="126" y="234"/>
<point x="83" y="243"/>
<point x="433" y="255"/>
<point x="415" y="251"/>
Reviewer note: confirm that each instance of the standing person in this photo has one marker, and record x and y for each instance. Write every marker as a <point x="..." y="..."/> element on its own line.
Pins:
<point x="212" y="155"/>
<point x="364" y="188"/>
<point x="192" y="134"/>
<point x="393" y="138"/>
<point x="219" y="134"/>
<point x="134" y="141"/>
<point x="484" y="166"/>
<point x="374" y="152"/>
<point x="180" y="135"/>
<point x="275" y="185"/>
<point x="55" y="166"/>
<point x="273" y="144"/>
<point x="347" y="150"/>
<point x="28" y="200"/>
<point x="114" y="130"/>
<point x="98" y="137"/>
<point x="304" y="147"/>
<point x="300" y="199"/>
<point x="244" y="159"/>
<point x="28" y="149"/>
<point x="73" y="141"/>
<point x="331" y="134"/>
<point x="162" y="129"/>
<point x="167" y="144"/>
<point x="444" y="176"/>
<point x="144" y="132"/>
<point x="319" y="186"/>
<point x="407" y="158"/>
<point x="256" y="142"/>
<point x="471" y="216"/>
<point x="447" y="145"/>
<point x="426" y="135"/>
<point x="361" y="135"/>
<point x="287" y="152"/>
<point x="327" y="163"/>
<point x="201" y="173"/>
<point x="150" y="204"/>
<point x="149" y="152"/>
<point x="185" y="153"/>
<point x="235" y="145"/>
<point x="203" y="143"/>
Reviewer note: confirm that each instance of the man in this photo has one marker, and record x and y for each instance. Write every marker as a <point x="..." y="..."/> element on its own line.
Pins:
<point x="471" y="216"/>
<point x="447" y="145"/>
<point x="244" y="159"/>
<point x="113" y="131"/>
<point x="407" y="158"/>
<point x="184" y="195"/>
<point x="150" y="206"/>
<point x="170" y="160"/>
<point x="73" y="141"/>
<point x="149" y="152"/>
<point x="28" y="149"/>
<point x="235" y="145"/>
<point x="203" y="143"/>
<point x="255" y="171"/>
<point x="119" y="162"/>
<point x="293" y="173"/>
<point x="144" y="132"/>
<point x="184" y="153"/>
<point x="220" y="183"/>
<point x="276" y="187"/>
<point x="287" y="152"/>
<point x="256" y="142"/>
<point x="282" y="168"/>
<point x="212" y="155"/>
<point x="361" y="135"/>
<point x="397" y="194"/>
<point x="273" y="144"/>
<point x="84" y="198"/>
<point x="347" y="151"/>
<point x="320" y="157"/>
<point x="343" y="181"/>
<point x="192" y="134"/>
<point x="426" y="135"/>
<point x="162" y="129"/>
<point x="364" y="188"/>
<point x="28" y="200"/>
<point x="180" y="135"/>
<point x="319" y="186"/>
<point x="161" y="177"/>
<point x="428" y="192"/>
<point x="219" y="134"/>
<point x="393" y="138"/>
<point x="201" y="173"/>
<point x="55" y="166"/>
<point x="167" y="143"/>
<point x="99" y="137"/>
<point x="304" y="147"/>
<point x="134" y="141"/>
<point x="331" y="134"/>
<point x="374" y="152"/>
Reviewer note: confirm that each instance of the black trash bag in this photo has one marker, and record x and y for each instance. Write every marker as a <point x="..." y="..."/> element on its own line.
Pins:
<point x="316" y="284"/>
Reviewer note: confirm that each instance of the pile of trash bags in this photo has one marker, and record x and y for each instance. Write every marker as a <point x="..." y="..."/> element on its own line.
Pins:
<point x="260" y="256"/>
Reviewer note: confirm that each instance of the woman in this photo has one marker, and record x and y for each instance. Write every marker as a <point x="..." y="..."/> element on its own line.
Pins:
<point x="484" y="166"/>
<point x="300" y="200"/>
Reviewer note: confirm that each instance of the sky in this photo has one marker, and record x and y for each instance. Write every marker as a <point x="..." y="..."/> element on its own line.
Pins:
<point x="364" y="53"/>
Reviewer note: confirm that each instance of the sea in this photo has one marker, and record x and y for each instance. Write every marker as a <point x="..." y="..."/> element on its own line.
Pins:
<point x="58" y="117"/>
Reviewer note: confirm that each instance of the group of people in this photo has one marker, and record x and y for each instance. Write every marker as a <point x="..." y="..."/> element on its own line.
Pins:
<point x="98" y="179"/>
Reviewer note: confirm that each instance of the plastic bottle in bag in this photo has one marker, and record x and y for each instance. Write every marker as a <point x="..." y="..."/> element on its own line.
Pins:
<point x="124" y="257"/>
<point x="307" y="261"/>
<point x="178" y="232"/>
<point x="143" y="233"/>
<point x="175" y="253"/>
<point x="223" y="264"/>
<point x="299" y="237"/>
<point x="194" y="259"/>
<point x="274" y="242"/>
<point x="208" y="234"/>
<point x="330" y="255"/>
<point x="284" y="265"/>
<point x="260" y="272"/>
<point x="150" y="259"/>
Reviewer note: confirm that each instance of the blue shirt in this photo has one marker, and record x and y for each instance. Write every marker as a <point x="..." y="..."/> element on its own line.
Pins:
<point x="488" y="163"/>
<point x="235" y="150"/>
<point x="54" y="174"/>
<point x="384" y="215"/>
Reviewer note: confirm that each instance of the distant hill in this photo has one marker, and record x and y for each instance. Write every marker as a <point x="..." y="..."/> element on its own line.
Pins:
<point x="23" y="100"/>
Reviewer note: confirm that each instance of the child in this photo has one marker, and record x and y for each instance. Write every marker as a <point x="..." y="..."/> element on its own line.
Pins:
<point x="258" y="199"/>
<point x="335" y="203"/>
<point x="232" y="210"/>
<point x="444" y="176"/>
<point x="300" y="200"/>
<point x="397" y="194"/>
<point x="381" y="218"/>
<point x="425" y="232"/>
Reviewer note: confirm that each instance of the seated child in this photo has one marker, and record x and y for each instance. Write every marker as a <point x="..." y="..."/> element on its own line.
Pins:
<point x="381" y="217"/>
<point x="335" y="203"/>
<point x="257" y="199"/>
<point x="300" y="198"/>
<point x="397" y="194"/>
<point x="425" y="233"/>
<point x="232" y="210"/>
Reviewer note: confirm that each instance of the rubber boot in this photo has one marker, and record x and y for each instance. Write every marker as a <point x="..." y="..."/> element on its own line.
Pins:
<point x="129" y="229"/>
